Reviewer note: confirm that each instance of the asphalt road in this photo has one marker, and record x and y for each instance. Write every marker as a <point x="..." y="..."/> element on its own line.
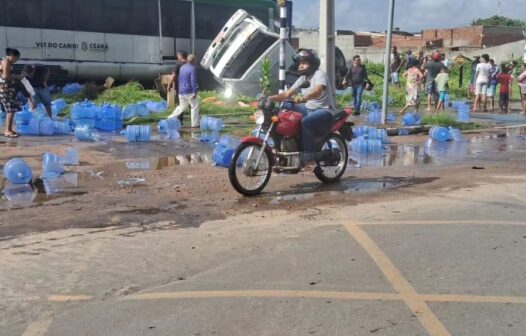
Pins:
<point x="450" y="263"/>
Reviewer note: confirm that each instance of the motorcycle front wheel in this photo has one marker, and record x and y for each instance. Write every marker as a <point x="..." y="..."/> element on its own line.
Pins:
<point x="245" y="177"/>
<point x="333" y="171"/>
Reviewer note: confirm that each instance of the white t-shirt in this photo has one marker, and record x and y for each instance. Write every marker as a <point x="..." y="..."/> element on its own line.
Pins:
<point x="326" y="100"/>
<point x="484" y="70"/>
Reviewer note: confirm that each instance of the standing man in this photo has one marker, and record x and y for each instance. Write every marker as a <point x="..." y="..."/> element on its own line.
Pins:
<point x="446" y="62"/>
<point x="396" y="65"/>
<point x="357" y="78"/>
<point x="410" y="60"/>
<point x="182" y="57"/>
<point x="187" y="80"/>
<point x="432" y="69"/>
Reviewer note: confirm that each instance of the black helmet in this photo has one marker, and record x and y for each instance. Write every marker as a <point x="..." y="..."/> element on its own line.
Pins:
<point x="309" y="56"/>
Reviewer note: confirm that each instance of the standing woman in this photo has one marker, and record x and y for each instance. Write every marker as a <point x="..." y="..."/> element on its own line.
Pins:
<point x="8" y="100"/>
<point x="482" y="76"/>
<point x="522" y="85"/>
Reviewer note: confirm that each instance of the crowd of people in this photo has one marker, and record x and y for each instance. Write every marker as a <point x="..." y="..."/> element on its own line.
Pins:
<point x="429" y="75"/>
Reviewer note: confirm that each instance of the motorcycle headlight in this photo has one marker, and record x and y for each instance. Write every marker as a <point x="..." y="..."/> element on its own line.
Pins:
<point x="259" y="117"/>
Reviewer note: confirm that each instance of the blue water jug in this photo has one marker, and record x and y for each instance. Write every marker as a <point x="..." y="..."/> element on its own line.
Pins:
<point x="229" y="141"/>
<point x="463" y="113"/>
<point x="142" y="110"/>
<point x="173" y="135"/>
<point x="374" y="146"/>
<point x="222" y="156"/>
<point x="61" y="126"/>
<point x="129" y="111"/>
<point x="455" y="135"/>
<point x="138" y="133"/>
<point x="51" y="165"/>
<point x="211" y="124"/>
<point x="17" y="171"/>
<point x="439" y="133"/>
<point x="86" y="133"/>
<point x="22" y="119"/>
<point x="210" y="137"/>
<point x="169" y="124"/>
<point x="157" y="107"/>
<point x="44" y="126"/>
<point x="411" y="119"/>
<point x="19" y="193"/>
<point x="203" y="123"/>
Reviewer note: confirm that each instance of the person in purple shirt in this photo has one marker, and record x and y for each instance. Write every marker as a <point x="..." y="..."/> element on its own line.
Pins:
<point x="187" y="81"/>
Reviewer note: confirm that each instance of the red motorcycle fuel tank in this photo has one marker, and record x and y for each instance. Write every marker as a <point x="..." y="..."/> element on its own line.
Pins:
<point x="289" y="123"/>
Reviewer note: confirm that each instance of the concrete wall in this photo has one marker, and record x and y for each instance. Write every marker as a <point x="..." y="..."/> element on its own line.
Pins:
<point x="500" y="53"/>
<point x="310" y="40"/>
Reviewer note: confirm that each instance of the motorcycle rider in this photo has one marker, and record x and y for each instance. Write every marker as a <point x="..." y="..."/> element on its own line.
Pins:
<point x="316" y="103"/>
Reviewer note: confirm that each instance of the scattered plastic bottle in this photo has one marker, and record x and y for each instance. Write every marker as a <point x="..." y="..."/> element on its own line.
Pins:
<point x="439" y="133"/>
<point x="86" y="133"/>
<point x="463" y="113"/>
<point x="211" y="124"/>
<point x="455" y="135"/>
<point x="19" y="193"/>
<point x="210" y="137"/>
<point x="222" y="155"/>
<point x="61" y="126"/>
<point x="229" y="141"/>
<point x="168" y="124"/>
<point x="173" y="135"/>
<point x="70" y="158"/>
<point x="138" y="133"/>
<point x="363" y="145"/>
<point x="157" y="107"/>
<point x="52" y="165"/>
<point x="71" y="89"/>
<point x="17" y="171"/>
<point x="411" y="119"/>
<point x="43" y="126"/>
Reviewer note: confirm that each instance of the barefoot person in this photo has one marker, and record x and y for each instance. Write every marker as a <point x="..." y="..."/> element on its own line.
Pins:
<point x="432" y="69"/>
<point x="482" y="77"/>
<point x="8" y="101"/>
<point x="442" y="83"/>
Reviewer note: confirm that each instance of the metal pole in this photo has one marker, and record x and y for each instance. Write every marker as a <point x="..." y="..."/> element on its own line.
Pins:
<point x="192" y="28"/>
<point x="388" y="60"/>
<point x="282" y="43"/>
<point x="327" y="39"/>
<point x="159" y="9"/>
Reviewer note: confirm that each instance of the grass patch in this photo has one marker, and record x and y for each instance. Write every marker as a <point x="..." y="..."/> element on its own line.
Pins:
<point x="447" y="120"/>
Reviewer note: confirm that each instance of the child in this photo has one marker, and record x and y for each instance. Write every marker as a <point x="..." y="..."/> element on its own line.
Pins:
<point x="442" y="80"/>
<point x="492" y="86"/>
<point x="413" y="77"/>
<point x="504" y="79"/>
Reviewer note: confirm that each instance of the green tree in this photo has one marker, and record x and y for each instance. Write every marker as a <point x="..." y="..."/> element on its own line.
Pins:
<point x="497" y="20"/>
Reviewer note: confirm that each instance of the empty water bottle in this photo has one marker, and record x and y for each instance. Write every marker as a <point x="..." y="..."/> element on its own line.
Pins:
<point x="229" y="141"/>
<point x="142" y="110"/>
<point x="130" y="111"/>
<point x="43" y="126"/>
<point x="19" y="193"/>
<point x="70" y="158"/>
<point x="169" y="124"/>
<point x="22" y="120"/>
<point x="439" y="133"/>
<point x="51" y="165"/>
<point x="86" y="133"/>
<point x="211" y="124"/>
<point x="210" y="137"/>
<point x="173" y="135"/>
<point x="61" y="126"/>
<point x="463" y="113"/>
<point x="17" y="171"/>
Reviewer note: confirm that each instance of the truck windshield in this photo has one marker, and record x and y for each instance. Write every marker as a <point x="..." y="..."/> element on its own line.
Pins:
<point x="229" y="41"/>
<point x="249" y="53"/>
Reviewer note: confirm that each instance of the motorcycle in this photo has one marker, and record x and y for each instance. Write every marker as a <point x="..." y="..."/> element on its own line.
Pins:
<point x="277" y="147"/>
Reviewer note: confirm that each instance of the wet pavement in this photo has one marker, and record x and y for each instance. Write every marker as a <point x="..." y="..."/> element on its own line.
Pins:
<point x="161" y="154"/>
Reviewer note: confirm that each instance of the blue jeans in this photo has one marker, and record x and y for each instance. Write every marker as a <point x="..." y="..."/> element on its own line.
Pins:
<point x="357" y="93"/>
<point x="315" y="126"/>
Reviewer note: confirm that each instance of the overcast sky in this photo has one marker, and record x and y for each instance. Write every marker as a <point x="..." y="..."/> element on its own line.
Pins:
<point x="410" y="15"/>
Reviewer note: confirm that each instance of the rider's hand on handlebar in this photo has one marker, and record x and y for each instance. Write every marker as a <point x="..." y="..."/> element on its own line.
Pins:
<point x="298" y="99"/>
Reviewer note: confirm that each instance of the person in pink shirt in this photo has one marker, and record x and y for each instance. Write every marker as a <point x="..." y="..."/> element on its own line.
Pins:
<point x="522" y="85"/>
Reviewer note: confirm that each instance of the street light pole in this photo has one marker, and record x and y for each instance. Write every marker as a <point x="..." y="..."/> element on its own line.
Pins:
<point x="327" y="38"/>
<point x="387" y="60"/>
<point x="192" y="27"/>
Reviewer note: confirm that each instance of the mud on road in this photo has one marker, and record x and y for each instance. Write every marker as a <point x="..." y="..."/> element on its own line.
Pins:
<point x="121" y="184"/>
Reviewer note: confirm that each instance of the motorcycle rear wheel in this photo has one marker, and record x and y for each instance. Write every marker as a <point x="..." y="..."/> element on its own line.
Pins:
<point x="242" y="173"/>
<point x="331" y="174"/>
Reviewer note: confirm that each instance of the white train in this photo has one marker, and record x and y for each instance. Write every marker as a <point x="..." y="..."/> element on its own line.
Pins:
<point x="126" y="39"/>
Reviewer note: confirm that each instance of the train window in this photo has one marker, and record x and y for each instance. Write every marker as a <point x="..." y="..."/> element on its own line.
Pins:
<point x="181" y="19"/>
<point x="145" y="14"/>
<point x="25" y="13"/>
<point x="88" y="16"/>
<point x="2" y="14"/>
<point x="58" y="14"/>
<point x="118" y="16"/>
<point x="210" y="19"/>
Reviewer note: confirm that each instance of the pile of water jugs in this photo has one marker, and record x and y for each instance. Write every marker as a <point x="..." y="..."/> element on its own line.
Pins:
<point x="71" y="89"/>
<point x="210" y="129"/>
<point x="443" y="134"/>
<point x="462" y="108"/>
<point x="34" y="123"/>
<point x="170" y="127"/>
<point x="104" y="117"/>
<point x="138" y="133"/>
<point x="144" y="108"/>
<point x="58" y="106"/>
<point x="369" y="139"/>
<point x="374" y="117"/>
<point x="224" y="150"/>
